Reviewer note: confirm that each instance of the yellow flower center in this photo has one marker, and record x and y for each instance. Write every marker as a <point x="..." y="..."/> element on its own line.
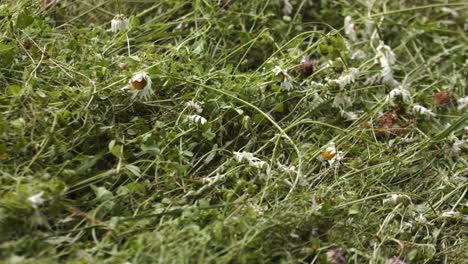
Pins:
<point x="328" y="154"/>
<point x="139" y="85"/>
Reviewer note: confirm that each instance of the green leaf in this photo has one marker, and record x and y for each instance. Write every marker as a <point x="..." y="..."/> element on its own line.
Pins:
<point x="24" y="20"/>
<point x="14" y="90"/>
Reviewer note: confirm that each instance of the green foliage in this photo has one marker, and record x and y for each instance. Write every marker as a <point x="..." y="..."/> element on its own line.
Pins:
<point x="231" y="159"/>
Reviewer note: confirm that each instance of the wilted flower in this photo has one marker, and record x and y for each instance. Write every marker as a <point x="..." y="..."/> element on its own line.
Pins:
<point x="194" y="106"/>
<point x="331" y="154"/>
<point x="140" y="85"/>
<point x="36" y="199"/>
<point x="342" y="101"/>
<point x="347" y="78"/>
<point x="348" y="115"/>
<point x="247" y="156"/>
<point x="120" y="23"/>
<point x="441" y="98"/>
<point x="394" y="260"/>
<point x="197" y="119"/>
<point x="306" y="68"/>
<point x="451" y="214"/>
<point x="395" y="199"/>
<point x="386" y="58"/>
<point x="462" y="103"/>
<point x="277" y="70"/>
<point x="402" y="93"/>
<point x="422" y="110"/>
<point x="349" y="28"/>
<point x="336" y="256"/>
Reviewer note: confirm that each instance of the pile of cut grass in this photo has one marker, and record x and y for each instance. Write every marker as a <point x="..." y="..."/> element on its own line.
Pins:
<point x="245" y="152"/>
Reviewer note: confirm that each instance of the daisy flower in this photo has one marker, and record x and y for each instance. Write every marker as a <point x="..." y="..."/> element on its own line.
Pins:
<point x="120" y="23"/>
<point x="140" y="85"/>
<point x="194" y="106"/>
<point x="331" y="154"/>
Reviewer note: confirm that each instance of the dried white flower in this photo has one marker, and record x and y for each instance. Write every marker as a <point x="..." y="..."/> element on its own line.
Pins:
<point x="194" y="106"/>
<point x="197" y="119"/>
<point x="395" y="199"/>
<point x="278" y="70"/>
<point x="400" y="92"/>
<point x="253" y="161"/>
<point x="349" y="28"/>
<point x="386" y="58"/>
<point x="462" y="103"/>
<point x="140" y="85"/>
<point x="418" y="109"/>
<point x="348" y="77"/>
<point x="36" y="199"/>
<point x="348" y="115"/>
<point x="120" y="23"/>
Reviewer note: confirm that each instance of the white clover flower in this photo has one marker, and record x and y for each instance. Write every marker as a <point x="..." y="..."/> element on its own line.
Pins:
<point x="36" y="199"/>
<point x="418" y="109"/>
<point x="140" y="85"/>
<point x="253" y="161"/>
<point x="395" y="199"/>
<point x="400" y="92"/>
<point x="347" y="78"/>
<point x="194" y="106"/>
<point x="462" y="103"/>
<point x="348" y="115"/>
<point x="120" y="23"/>
<point x="197" y="119"/>
<point x="349" y="28"/>
<point x="331" y="154"/>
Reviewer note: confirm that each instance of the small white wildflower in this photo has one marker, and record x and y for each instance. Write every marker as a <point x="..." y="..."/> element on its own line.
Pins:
<point x="395" y="199"/>
<point x="375" y="78"/>
<point x="462" y="103"/>
<point x="358" y="55"/>
<point x="120" y="23"/>
<point x="140" y="85"/>
<point x="36" y="199"/>
<point x="197" y="119"/>
<point x="342" y="101"/>
<point x="331" y="154"/>
<point x="400" y="92"/>
<point x="349" y="28"/>
<point x="450" y="11"/>
<point x="418" y="109"/>
<point x="348" y="115"/>
<point x="194" y="105"/>
<point x="347" y="78"/>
